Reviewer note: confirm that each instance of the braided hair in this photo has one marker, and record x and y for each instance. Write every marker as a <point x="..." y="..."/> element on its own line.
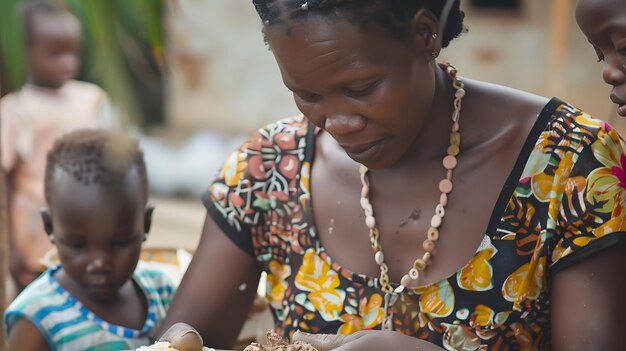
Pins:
<point x="95" y="157"/>
<point x="395" y="15"/>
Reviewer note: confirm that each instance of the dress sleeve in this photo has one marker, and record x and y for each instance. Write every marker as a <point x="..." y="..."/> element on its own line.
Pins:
<point x="592" y="213"/>
<point x="257" y="189"/>
<point x="235" y="200"/>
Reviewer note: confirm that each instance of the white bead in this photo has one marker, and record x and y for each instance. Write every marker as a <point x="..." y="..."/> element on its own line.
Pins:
<point x="440" y="211"/>
<point x="365" y="202"/>
<point x="369" y="210"/>
<point x="414" y="274"/>
<point x="460" y="93"/>
<point x="435" y="222"/>
<point x="379" y="257"/>
<point x="370" y="222"/>
<point x="399" y="289"/>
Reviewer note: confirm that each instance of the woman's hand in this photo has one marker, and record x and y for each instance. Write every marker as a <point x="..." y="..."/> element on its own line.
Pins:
<point x="365" y="340"/>
<point x="183" y="337"/>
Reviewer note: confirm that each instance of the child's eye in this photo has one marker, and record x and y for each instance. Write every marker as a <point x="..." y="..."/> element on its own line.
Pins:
<point x="622" y="51"/>
<point x="75" y="245"/>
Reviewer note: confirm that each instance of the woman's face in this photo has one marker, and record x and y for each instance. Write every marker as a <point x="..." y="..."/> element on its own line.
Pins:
<point x="604" y="24"/>
<point x="369" y="90"/>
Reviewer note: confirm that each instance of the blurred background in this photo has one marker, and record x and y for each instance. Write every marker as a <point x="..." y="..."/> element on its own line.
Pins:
<point x="193" y="77"/>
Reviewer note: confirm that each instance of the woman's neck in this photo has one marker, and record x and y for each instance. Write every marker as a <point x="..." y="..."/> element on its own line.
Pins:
<point x="433" y="138"/>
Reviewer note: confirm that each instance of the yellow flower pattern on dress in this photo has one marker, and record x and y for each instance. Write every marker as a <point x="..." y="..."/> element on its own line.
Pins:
<point x="437" y="300"/>
<point x="564" y="200"/>
<point x="607" y="184"/>
<point x="275" y="281"/>
<point x="234" y="168"/>
<point x="525" y="283"/>
<point x="317" y="277"/>
<point x="370" y="315"/>
<point x="477" y="274"/>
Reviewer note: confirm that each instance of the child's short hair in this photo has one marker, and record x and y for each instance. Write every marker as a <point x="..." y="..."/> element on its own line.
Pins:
<point x="95" y="156"/>
<point x="31" y="8"/>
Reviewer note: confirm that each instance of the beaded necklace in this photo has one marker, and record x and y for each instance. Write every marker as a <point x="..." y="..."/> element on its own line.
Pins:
<point x="445" y="186"/>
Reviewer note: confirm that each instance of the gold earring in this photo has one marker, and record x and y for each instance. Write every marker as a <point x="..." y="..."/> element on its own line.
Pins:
<point x="435" y="36"/>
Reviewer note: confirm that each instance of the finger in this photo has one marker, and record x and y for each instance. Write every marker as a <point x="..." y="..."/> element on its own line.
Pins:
<point x="176" y="331"/>
<point x="323" y="342"/>
<point x="188" y="340"/>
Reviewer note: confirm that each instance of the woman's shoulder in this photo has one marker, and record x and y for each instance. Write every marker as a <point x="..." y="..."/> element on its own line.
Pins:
<point x="273" y="140"/>
<point x="504" y="100"/>
<point x="296" y="126"/>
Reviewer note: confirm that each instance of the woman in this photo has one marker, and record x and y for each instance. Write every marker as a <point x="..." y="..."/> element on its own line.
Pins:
<point x="466" y="215"/>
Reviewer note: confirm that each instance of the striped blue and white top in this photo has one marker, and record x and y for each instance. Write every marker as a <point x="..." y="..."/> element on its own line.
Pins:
<point x="68" y="326"/>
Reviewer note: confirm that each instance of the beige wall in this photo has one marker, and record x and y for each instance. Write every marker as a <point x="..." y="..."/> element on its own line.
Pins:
<point x="223" y="76"/>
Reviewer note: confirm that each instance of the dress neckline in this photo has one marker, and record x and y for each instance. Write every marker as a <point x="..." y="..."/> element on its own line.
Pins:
<point x="506" y="192"/>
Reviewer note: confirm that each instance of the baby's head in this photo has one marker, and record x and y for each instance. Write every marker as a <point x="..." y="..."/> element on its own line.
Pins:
<point x="53" y="37"/>
<point x="604" y="24"/>
<point x="97" y="215"/>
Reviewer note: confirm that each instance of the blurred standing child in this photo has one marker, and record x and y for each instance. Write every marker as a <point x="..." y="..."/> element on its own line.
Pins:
<point x="49" y="104"/>
<point x="99" y="297"/>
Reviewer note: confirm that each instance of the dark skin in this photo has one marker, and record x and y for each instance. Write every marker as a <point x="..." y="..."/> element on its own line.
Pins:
<point x="53" y="58"/>
<point x="604" y="24"/>
<point x="98" y="231"/>
<point x="362" y="85"/>
<point x="53" y="49"/>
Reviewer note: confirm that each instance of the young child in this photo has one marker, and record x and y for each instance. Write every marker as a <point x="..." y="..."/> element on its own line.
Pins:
<point x="97" y="216"/>
<point x="604" y="24"/>
<point x="48" y="105"/>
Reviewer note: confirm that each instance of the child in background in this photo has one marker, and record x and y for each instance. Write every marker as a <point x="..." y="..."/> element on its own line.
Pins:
<point x="604" y="24"/>
<point x="49" y="104"/>
<point x="97" y="216"/>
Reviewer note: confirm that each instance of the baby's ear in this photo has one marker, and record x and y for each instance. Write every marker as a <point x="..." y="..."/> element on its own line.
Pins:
<point x="46" y="218"/>
<point x="147" y="219"/>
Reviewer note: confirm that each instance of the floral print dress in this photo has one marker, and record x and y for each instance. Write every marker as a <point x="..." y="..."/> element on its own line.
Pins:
<point x="563" y="201"/>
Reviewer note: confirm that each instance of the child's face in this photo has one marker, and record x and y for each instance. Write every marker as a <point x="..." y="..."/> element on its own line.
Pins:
<point x="604" y="24"/>
<point x="98" y="231"/>
<point x="53" y="51"/>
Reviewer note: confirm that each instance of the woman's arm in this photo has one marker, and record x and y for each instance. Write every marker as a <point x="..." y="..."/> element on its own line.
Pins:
<point x="217" y="290"/>
<point x="589" y="303"/>
<point x="24" y="336"/>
